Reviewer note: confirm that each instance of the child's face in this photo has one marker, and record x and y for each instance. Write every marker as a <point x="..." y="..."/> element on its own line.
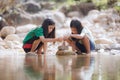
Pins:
<point x="50" y="28"/>
<point x="74" y="30"/>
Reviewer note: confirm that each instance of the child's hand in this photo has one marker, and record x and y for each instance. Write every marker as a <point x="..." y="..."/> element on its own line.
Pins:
<point x="60" y="39"/>
<point x="66" y="37"/>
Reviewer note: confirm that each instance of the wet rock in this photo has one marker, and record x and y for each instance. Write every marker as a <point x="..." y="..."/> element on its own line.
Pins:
<point x="7" y="31"/>
<point x="114" y="52"/>
<point x="64" y="50"/>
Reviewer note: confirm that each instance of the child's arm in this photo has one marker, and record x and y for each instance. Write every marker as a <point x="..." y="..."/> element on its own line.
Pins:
<point x="78" y="36"/>
<point x="50" y="39"/>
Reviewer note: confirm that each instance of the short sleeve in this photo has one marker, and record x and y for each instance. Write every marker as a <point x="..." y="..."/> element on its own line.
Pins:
<point x="83" y="33"/>
<point x="39" y="32"/>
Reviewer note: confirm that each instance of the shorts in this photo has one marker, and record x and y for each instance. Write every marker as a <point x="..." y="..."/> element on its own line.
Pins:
<point x="82" y="47"/>
<point x="28" y="45"/>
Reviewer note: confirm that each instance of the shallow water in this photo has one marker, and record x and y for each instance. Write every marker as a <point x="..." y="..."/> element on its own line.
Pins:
<point x="52" y="67"/>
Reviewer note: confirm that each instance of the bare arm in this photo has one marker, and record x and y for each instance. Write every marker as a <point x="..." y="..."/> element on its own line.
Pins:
<point x="77" y="36"/>
<point x="49" y="39"/>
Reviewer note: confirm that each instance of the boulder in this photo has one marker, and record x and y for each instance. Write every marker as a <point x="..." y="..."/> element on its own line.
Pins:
<point x="25" y="28"/>
<point x="18" y="18"/>
<point x="12" y="37"/>
<point x="74" y="14"/>
<point x="103" y="41"/>
<point x="59" y="19"/>
<point x="47" y="5"/>
<point x="64" y="50"/>
<point x="7" y="31"/>
<point x="2" y="23"/>
<point x="31" y="7"/>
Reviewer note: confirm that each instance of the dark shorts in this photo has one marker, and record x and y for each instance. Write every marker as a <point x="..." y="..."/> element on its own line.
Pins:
<point x="28" y="45"/>
<point x="82" y="47"/>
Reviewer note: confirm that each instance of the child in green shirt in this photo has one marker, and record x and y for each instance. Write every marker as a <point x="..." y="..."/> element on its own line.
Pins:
<point x="37" y="39"/>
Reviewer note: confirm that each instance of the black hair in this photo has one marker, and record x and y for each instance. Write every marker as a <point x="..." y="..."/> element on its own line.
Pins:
<point x="76" y="24"/>
<point x="45" y="25"/>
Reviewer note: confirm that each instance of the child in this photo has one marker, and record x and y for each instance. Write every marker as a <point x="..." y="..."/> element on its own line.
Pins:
<point x="81" y="39"/>
<point x="37" y="39"/>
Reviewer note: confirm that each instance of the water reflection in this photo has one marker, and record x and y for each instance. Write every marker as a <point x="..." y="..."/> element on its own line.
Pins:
<point x="100" y="67"/>
<point x="59" y="67"/>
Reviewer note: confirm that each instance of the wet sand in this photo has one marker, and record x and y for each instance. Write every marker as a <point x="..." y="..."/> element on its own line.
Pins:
<point x="52" y="67"/>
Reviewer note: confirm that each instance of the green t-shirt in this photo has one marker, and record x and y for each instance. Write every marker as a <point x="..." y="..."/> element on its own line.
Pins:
<point x="35" y="32"/>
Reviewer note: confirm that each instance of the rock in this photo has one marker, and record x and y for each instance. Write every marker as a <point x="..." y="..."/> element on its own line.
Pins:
<point x="64" y="9"/>
<point x="25" y="28"/>
<point x="86" y="7"/>
<point x="12" y="37"/>
<point x="102" y="46"/>
<point x="103" y="41"/>
<point x="31" y="7"/>
<point x="18" y="18"/>
<point x="38" y="18"/>
<point x="67" y="23"/>
<point x="59" y="18"/>
<point x="74" y="14"/>
<point x="65" y="52"/>
<point x="7" y="31"/>
<point x="114" y="52"/>
<point x="47" y="5"/>
<point x="2" y="22"/>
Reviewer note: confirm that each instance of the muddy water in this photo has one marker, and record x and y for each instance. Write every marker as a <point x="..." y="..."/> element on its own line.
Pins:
<point x="51" y="67"/>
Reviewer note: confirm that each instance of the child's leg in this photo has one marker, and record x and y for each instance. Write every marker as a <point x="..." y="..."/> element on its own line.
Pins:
<point x="86" y="43"/>
<point x="44" y="47"/>
<point x="39" y="51"/>
<point x="34" y="45"/>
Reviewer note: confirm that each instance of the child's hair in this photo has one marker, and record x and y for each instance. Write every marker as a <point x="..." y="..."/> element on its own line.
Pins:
<point x="76" y="24"/>
<point x="45" y="25"/>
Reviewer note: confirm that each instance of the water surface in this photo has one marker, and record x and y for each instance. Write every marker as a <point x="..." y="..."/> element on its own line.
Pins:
<point x="52" y="67"/>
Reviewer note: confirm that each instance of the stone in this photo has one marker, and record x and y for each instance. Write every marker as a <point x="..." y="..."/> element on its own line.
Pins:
<point x="32" y="7"/>
<point x="59" y="17"/>
<point x="25" y="28"/>
<point x="74" y="14"/>
<point x="7" y="31"/>
<point x="103" y="41"/>
<point x="12" y="37"/>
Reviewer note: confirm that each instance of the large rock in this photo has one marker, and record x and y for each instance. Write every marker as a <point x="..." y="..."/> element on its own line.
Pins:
<point x="7" y="31"/>
<point x="2" y="23"/>
<point x="103" y="41"/>
<point x="74" y="14"/>
<point x="12" y="45"/>
<point x="32" y="7"/>
<point x="25" y="28"/>
<point x="37" y="18"/>
<point x="12" y="37"/>
<point x="18" y="18"/>
<point x="47" y="5"/>
<point x="59" y="18"/>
